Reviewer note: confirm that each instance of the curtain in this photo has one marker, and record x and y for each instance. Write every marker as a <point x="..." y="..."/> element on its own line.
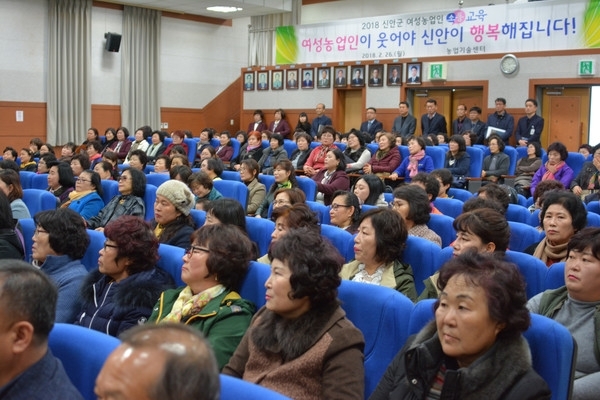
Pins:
<point x="140" y="75"/>
<point x="261" y="34"/>
<point x="68" y="110"/>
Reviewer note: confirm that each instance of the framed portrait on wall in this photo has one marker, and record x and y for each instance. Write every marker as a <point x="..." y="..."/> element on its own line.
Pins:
<point x="249" y="81"/>
<point x="308" y="81"/>
<point x="357" y="76"/>
<point x="263" y="80"/>
<point x="323" y="79"/>
<point x="291" y="79"/>
<point x="413" y="73"/>
<point x="340" y="76"/>
<point x="277" y="80"/>
<point x="375" y="75"/>
<point x="394" y="74"/>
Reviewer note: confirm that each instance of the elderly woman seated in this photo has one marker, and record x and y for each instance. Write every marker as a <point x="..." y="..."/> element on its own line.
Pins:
<point x="378" y="250"/>
<point x="213" y="269"/>
<point x="575" y="305"/>
<point x="412" y="203"/>
<point x="474" y="349"/>
<point x="301" y="344"/>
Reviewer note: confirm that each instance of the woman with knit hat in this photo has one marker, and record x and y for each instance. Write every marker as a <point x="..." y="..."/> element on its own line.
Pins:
<point x="172" y="221"/>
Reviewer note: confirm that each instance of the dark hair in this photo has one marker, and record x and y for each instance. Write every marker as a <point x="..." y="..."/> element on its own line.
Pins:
<point x="28" y="151"/>
<point x="538" y="148"/>
<point x="476" y="109"/>
<point x="281" y="112"/>
<point x="304" y="135"/>
<point x="327" y="129"/>
<point x="71" y="146"/>
<point x="215" y="165"/>
<point x="146" y="131"/>
<point x="584" y="239"/>
<point x="477" y="202"/>
<point x="534" y="101"/>
<point x="359" y="136"/>
<point x="135" y="240"/>
<point x="432" y="101"/>
<point x="288" y="167"/>
<point x="107" y="166"/>
<point x="243" y="134"/>
<point x="587" y="147"/>
<point x="501" y="145"/>
<point x="125" y="131"/>
<point x="83" y="159"/>
<point x="49" y="147"/>
<point x="444" y="174"/>
<point x="48" y="157"/>
<point x="166" y="158"/>
<point x="390" y="233"/>
<point x="210" y="149"/>
<point x="161" y="135"/>
<point x="27" y="294"/>
<point x="178" y="150"/>
<point x="252" y="167"/>
<point x="297" y="216"/>
<point x="501" y="99"/>
<point x="9" y="164"/>
<point x="314" y="273"/>
<point x="545" y="187"/>
<point x="560" y="148"/>
<point x="197" y="359"/>
<point x="405" y="103"/>
<point x="12" y="151"/>
<point x="296" y="195"/>
<point x="111" y="130"/>
<point x="37" y="141"/>
<point x="230" y="253"/>
<point x="96" y="145"/>
<point x="67" y="231"/>
<point x="228" y="134"/>
<point x="138" y="181"/>
<point x="228" y="212"/>
<point x="10" y="177"/>
<point x="277" y="137"/>
<point x="183" y="171"/>
<point x="350" y="200"/>
<point x="432" y="185"/>
<point x="339" y="156"/>
<point x="112" y="156"/>
<point x="259" y="112"/>
<point x="571" y="203"/>
<point x="419" y="207"/>
<point x="142" y="156"/>
<point x="495" y="192"/>
<point x="95" y="180"/>
<point x="376" y="188"/>
<point x="95" y="132"/>
<point x="502" y="284"/>
<point x="200" y="178"/>
<point x="462" y="146"/>
<point x="487" y="224"/>
<point x="6" y="216"/>
<point x="419" y="139"/>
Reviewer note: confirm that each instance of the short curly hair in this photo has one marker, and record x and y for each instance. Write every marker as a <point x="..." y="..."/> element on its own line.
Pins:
<point x="135" y="240"/>
<point x="419" y="208"/>
<point x="571" y="203"/>
<point x="502" y="283"/>
<point x="314" y="274"/>
<point x="66" y="229"/>
<point x="560" y="149"/>
<point x="390" y="233"/>
<point x="230" y="253"/>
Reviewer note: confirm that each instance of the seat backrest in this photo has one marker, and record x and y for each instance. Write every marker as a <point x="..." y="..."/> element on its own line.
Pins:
<point x="235" y="389"/>
<point x="593" y="219"/>
<point x="438" y="155"/>
<point x="192" y="148"/>
<point x="170" y="260"/>
<point x="231" y="176"/>
<point x="442" y="225"/>
<point x="593" y="206"/>
<point x="341" y="239"/>
<point x="27" y="228"/>
<point x="110" y="189"/>
<point x="459" y="194"/>
<point x="421" y="254"/>
<point x="381" y="314"/>
<point x="82" y="352"/>
<point x="199" y="217"/>
<point x="38" y="200"/>
<point x="26" y="177"/>
<point x="233" y="190"/>
<point x="156" y="179"/>
<point x="321" y="210"/>
<point x="403" y="149"/>
<point x="308" y="186"/>
<point x="267" y="180"/>
<point x="421" y="314"/>
<point x="444" y="255"/>
<point x="341" y="146"/>
<point x="534" y="218"/>
<point x="236" y="147"/>
<point x="533" y="270"/>
<point x="522" y="236"/>
<point x="289" y="146"/>
<point x="253" y="285"/>
<point x="511" y="152"/>
<point x="39" y="181"/>
<point x="555" y="276"/>
<point x="90" y="258"/>
<point x="149" y="199"/>
<point x="260" y="230"/>
<point x="553" y="352"/>
<point x="476" y="161"/>
<point x="517" y="213"/>
<point x="448" y="206"/>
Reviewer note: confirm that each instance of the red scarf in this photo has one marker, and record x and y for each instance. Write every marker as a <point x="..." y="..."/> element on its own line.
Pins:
<point x="550" y="175"/>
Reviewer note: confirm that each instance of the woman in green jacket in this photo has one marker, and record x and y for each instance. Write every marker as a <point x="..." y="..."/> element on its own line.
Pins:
<point x="213" y="269"/>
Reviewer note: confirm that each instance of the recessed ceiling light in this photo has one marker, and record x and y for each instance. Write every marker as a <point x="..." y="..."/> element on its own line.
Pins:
<point x="223" y="9"/>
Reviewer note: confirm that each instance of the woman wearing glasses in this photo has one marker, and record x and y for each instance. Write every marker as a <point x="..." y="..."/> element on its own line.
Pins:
<point x="213" y="269"/>
<point x="86" y="199"/>
<point x="130" y="201"/>
<point x="345" y="211"/>
<point x="121" y="292"/>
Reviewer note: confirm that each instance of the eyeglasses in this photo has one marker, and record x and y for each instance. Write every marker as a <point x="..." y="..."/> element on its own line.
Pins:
<point x="335" y="206"/>
<point x="281" y="202"/>
<point x="123" y="178"/>
<point x="394" y="204"/>
<point x="38" y="231"/>
<point x="84" y="180"/>
<point x="190" y="251"/>
<point x="109" y="245"/>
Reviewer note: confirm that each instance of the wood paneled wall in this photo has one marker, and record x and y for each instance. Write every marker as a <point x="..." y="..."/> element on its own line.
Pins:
<point x="18" y="134"/>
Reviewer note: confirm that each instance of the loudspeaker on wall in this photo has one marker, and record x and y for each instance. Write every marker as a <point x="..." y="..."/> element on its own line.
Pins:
<point x="113" y="42"/>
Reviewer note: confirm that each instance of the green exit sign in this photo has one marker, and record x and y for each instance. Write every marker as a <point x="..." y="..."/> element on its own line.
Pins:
<point x="586" y="68"/>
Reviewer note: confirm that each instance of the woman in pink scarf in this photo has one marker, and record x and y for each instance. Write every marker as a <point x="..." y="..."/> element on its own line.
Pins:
<point x="416" y="162"/>
<point x="555" y="168"/>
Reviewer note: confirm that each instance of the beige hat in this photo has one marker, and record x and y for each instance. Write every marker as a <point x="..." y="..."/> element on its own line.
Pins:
<point x="178" y="194"/>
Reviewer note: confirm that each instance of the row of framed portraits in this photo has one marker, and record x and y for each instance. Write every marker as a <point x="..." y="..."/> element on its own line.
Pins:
<point x="343" y="76"/>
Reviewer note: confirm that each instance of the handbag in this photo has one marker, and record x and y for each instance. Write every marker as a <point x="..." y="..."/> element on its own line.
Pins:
<point x="459" y="182"/>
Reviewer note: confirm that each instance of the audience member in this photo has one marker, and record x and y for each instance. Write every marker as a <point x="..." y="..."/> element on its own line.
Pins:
<point x="332" y="177"/>
<point x="527" y="167"/>
<point x="555" y="168"/>
<point x="10" y="185"/>
<point x="386" y="159"/>
<point x="412" y="204"/>
<point x="172" y="221"/>
<point x="256" y="190"/>
<point x="86" y="199"/>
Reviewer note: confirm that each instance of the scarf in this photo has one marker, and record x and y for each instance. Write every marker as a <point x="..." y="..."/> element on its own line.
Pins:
<point x="74" y="196"/>
<point x="550" y="253"/>
<point x="250" y="148"/>
<point x="413" y="164"/>
<point x="381" y="153"/>
<point x="549" y="175"/>
<point x="189" y="304"/>
<point x="593" y="181"/>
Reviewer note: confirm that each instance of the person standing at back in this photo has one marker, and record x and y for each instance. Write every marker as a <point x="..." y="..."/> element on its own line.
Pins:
<point x="529" y="127"/>
<point x="320" y="121"/>
<point x="432" y="122"/>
